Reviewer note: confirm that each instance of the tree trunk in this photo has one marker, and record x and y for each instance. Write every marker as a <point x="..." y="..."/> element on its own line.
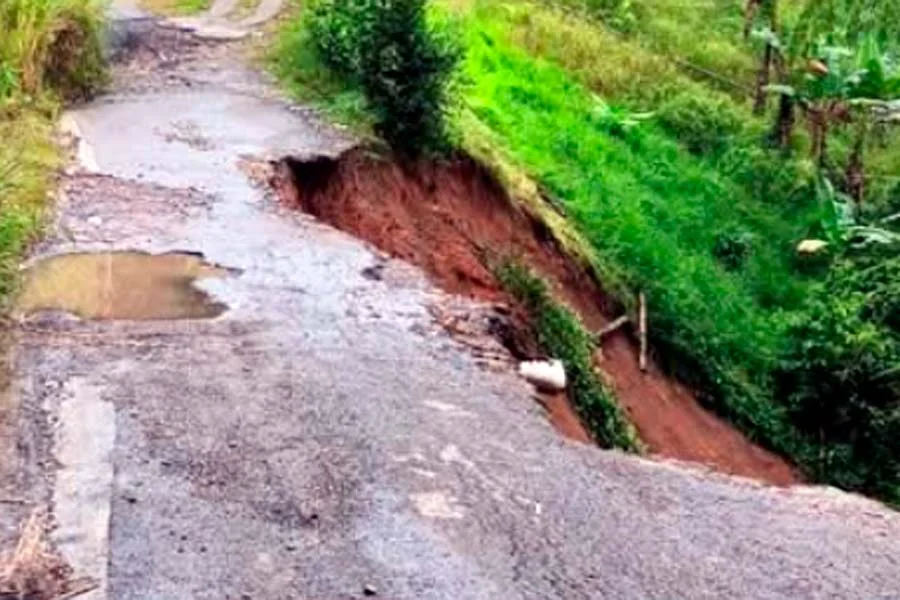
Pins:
<point x="855" y="173"/>
<point x="823" y="141"/>
<point x="750" y="9"/>
<point x="784" y="125"/>
<point x="762" y="80"/>
<point x="817" y="132"/>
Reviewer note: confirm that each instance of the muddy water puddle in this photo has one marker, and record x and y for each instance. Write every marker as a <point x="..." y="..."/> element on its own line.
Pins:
<point x="121" y="285"/>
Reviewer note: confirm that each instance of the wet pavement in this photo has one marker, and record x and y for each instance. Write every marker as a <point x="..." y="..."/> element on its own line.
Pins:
<point x="324" y="434"/>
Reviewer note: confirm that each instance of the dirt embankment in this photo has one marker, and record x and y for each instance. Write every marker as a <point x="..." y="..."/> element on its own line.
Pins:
<point x="454" y="220"/>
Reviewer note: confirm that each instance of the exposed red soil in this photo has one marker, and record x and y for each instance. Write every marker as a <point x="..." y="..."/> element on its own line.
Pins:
<point x="564" y="418"/>
<point x="454" y="220"/>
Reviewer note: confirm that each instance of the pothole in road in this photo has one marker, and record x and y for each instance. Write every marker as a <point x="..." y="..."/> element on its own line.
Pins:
<point x="122" y="285"/>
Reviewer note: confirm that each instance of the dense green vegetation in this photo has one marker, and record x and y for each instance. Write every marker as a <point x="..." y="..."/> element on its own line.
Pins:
<point x="402" y="65"/>
<point x="841" y="377"/>
<point x="49" y="51"/>
<point x="654" y="214"/>
<point x="561" y="334"/>
<point x="694" y="149"/>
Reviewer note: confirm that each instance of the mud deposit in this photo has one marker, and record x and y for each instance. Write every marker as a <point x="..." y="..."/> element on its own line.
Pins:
<point x="121" y="285"/>
<point x="454" y="220"/>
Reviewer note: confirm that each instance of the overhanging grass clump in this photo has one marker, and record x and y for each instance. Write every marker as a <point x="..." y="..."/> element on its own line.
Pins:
<point x="50" y="45"/>
<point x="562" y="336"/>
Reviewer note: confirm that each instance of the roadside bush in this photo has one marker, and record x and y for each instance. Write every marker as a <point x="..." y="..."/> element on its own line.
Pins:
<point x="402" y="63"/>
<point x="732" y="248"/>
<point x="53" y="44"/>
<point x="704" y="124"/>
<point x="74" y="65"/>
<point x="841" y="377"/>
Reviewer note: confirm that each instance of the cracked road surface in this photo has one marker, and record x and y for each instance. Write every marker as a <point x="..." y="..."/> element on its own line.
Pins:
<point x="324" y="434"/>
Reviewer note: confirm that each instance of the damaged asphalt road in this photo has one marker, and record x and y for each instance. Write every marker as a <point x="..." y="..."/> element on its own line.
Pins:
<point x="324" y="434"/>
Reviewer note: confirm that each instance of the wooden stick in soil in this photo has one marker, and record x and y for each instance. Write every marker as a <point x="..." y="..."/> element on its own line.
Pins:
<point x="642" y="330"/>
<point x="610" y="327"/>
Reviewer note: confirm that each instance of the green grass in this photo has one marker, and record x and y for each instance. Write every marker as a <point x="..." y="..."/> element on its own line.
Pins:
<point x="26" y="164"/>
<point x="176" y="7"/>
<point x="294" y="61"/>
<point x="49" y="51"/>
<point x="562" y="335"/>
<point x="652" y="212"/>
<point x="706" y="33"/>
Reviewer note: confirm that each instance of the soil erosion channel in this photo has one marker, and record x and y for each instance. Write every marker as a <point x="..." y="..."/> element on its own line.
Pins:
<point x="324" y="436"/>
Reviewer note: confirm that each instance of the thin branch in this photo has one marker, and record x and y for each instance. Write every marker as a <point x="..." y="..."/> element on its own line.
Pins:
<point x="713" y="75"/>
<point x="642" y="330"/>
<point x="611" y="327"/>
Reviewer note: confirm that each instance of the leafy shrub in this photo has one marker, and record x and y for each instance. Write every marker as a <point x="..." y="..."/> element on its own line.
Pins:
<point x="732" y="248"/>
<point x="403" y="65"/>
<point x="768" y="175"/>
<point x="561" y="334"/>
<point x="9" y="81"/>
<point x="75" y="66"/>
<point x="704" y="124"/>
<point x="841" y="377"/>
<point x="295" y="60"/>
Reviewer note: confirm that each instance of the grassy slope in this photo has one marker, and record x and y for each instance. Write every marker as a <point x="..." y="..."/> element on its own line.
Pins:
<point x="294" y="62"/>
<point x="652" y="211"/>
<point x="704" y="33"/>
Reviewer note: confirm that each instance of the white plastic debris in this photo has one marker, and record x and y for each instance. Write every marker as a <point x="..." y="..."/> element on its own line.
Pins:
<point x="546" y="375"/>
<point x="811" y="246"/>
